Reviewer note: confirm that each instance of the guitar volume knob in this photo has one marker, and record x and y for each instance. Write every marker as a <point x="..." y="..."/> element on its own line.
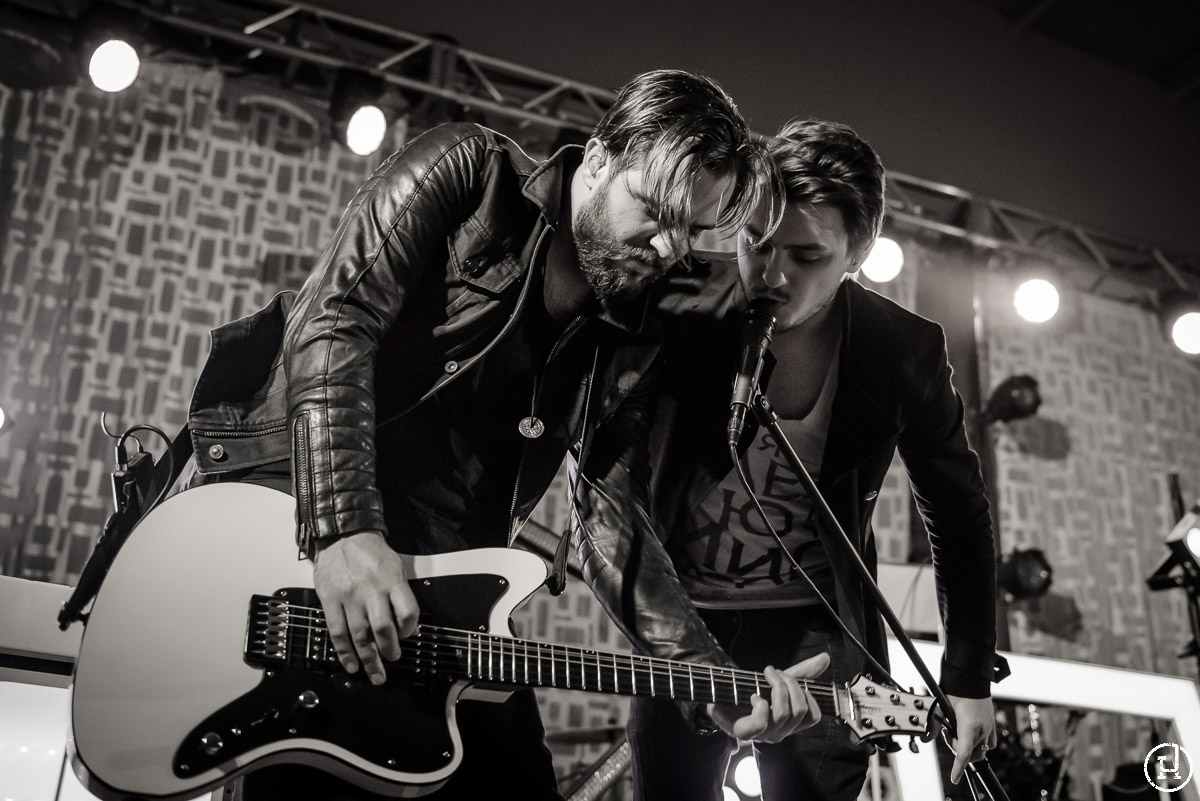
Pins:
<point x="308" y="700"/>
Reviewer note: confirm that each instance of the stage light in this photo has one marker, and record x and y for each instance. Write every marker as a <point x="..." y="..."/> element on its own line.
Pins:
<point x="109" y="41"/>
<point x="1179" y="313"/>
<point x="885" y="260"/>
<point x="746" y="778"/>
<point x="358" y="119"/>
<point x="1192" y="541"/>
<point x="366" y="129"/>
<point x="114" y="66"/>
<point x="1014" y="398"/>
<point x="1036" y="300"/>
<point x="1025" y="574"/>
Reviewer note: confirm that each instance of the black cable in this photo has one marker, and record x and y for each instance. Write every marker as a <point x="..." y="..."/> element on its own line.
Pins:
<point x="123" y="460"/>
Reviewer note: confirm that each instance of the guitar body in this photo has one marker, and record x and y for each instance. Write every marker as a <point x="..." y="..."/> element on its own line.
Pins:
<point x="183" y="681"/>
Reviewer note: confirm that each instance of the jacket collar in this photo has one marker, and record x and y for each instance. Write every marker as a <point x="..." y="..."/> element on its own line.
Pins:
<point x="862" y="419"/>
<point x="544" y="187"/>
<point x="545" y="184"/>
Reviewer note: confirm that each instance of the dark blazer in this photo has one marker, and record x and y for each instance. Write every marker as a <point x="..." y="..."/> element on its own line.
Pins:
<point x="893" y="393"/>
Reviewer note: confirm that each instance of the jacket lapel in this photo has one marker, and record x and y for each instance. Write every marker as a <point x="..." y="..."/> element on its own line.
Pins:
<point x="861" y="423"/>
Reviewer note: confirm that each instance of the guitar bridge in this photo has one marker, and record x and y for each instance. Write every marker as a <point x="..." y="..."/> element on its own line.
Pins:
<point x="288" y="629"/>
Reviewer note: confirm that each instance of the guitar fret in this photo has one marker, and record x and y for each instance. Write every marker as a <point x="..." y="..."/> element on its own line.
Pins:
<point x="616" y="676"/>
<point x="651" y="666"/>
<point x="489" y="658"/>
<point x="691" y="683"/>
<point x="712" y="684"/>
<point x="599" y="679"/>
<point x="671" y="679"/>
<point x="539" y="663"/>
<point x="735" y="692"/>
<point x="525" y="656"/>
<point x="553" y="668"/>
<point x="514" y="660"/>
<point x="582" y="668"/>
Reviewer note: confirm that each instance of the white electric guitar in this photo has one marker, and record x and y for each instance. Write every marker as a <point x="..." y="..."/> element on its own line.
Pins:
<point x="206" y="656"/>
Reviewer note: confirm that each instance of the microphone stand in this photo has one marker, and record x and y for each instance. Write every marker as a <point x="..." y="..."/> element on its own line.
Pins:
<point x="770" y="420"/>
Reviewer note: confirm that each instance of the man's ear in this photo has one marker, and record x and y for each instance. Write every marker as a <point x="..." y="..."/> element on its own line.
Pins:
<point x="595" y="159"/>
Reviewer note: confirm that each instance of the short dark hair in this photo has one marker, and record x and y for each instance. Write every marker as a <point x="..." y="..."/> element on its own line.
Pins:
<point x="827" y="162"/>
<point x="680" y="124"/>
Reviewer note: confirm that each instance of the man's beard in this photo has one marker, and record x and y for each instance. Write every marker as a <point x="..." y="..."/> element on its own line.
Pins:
<point x="601" y="256"/>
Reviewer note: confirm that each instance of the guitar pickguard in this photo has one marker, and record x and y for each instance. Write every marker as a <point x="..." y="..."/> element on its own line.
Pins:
<point x="304" y="694"/>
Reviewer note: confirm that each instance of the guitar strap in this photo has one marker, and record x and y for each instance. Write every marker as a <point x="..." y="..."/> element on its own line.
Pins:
<point x="137" y="485"/>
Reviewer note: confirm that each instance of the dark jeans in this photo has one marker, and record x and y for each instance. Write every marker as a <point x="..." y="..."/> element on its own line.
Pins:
<point x="504" y="745"/>
<point x="673" y="763"/>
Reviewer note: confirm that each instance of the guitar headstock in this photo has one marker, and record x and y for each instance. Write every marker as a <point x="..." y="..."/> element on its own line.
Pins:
<point x="877" y="710"/>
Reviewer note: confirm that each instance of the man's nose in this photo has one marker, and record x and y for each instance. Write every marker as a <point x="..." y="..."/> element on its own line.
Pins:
<point x="663" y="247"/>
<point x="772" y="275"/>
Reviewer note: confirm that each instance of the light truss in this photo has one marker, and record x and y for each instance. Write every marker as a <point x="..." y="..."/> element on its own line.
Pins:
<point x="422" y="64"/>
<point x="259" y="35"/>
<point x="1111" y="261"/>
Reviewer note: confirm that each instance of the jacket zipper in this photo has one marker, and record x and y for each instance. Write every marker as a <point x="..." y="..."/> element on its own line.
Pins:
<point x="302" y="464"/>
<point x="241" y="434"/>
<point x="513" y="526"/>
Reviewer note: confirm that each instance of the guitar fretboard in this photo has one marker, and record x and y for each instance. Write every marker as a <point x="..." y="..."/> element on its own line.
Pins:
<point x="282" y="632"/>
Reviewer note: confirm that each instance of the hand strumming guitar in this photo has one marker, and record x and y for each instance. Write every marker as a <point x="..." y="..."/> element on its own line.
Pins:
<point x="369" y="608"/>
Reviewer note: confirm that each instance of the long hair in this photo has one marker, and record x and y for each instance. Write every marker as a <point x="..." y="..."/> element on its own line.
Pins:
<point x="676" y="125"/>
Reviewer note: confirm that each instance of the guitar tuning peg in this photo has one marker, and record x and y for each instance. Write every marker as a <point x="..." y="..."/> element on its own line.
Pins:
<point x="912" y="745"/>
<point x="891" y="746"/>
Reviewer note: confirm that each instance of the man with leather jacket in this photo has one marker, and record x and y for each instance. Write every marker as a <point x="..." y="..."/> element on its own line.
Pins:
<point x="477" y="315"/>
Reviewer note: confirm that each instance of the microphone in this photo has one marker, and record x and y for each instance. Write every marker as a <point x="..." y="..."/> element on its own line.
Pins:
<point x="756" y="338"/>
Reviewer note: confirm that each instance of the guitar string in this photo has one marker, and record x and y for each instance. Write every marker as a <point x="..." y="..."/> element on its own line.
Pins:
<point x="723" y="687"/>
<point x="472" y="639"/>
<point x="653" y="666"/>
<point x="637" y="684"/>
<point x="722" y="690"/>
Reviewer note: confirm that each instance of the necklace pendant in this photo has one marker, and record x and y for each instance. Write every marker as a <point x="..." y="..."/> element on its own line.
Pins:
<point x="531" y="427"/>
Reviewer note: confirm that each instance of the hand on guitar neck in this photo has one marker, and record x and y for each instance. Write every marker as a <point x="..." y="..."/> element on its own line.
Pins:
<point x="369" y="608"/>
<point x="790" y="708"/>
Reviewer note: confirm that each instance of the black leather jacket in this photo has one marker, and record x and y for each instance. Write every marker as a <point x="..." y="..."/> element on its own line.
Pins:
<point x="893" y="393"/>
<point x="426" y="271"/>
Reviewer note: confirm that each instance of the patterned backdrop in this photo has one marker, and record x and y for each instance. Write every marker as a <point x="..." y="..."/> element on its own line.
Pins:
<point x="132" y="224"/>
<point x="1086" y="481"/>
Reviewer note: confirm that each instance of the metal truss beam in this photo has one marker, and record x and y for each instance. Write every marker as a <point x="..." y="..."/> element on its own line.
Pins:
<point x="995" y="225"/>
<point x="261" y="31"/>
<point x="421" y="64"/>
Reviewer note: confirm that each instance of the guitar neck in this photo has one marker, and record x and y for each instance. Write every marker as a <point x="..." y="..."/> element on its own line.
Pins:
<point x="504" y="660"/>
